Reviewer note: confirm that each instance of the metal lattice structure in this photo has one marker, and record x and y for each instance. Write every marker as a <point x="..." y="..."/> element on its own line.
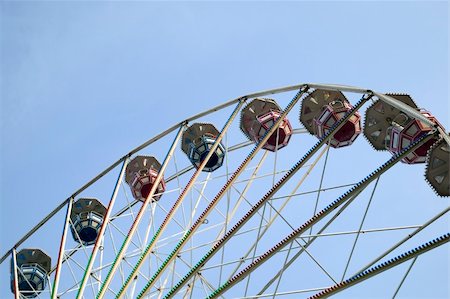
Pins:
<point x="202" y="210"/>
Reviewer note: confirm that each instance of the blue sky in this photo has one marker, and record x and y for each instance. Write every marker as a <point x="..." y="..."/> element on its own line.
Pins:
<point x="82" y="83"/>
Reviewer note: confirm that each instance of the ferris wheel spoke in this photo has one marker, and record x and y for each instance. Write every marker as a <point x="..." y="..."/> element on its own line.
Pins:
<point x="69" y="257"/>
<point x="227" y="213"/>
<point x="173" y="239"/>
<point x="197" y="203"/>
<point x="237" y="205"/>
<point x="293" y="292"/>
<point x="158" y="260"/>
<point x="139" y="216"/>
<point x="254" y="210"/>
<point x="255" y="246"/>
<point x="92" y="277"/>
<point x="344" y="198"/>
<point x="68" y="253"/>
<point x="71" y="271"/>
<point x="140" y="274"/>
<point x="247" y="201"/>
<point x="186" y="190"/>
<point x="150" y="225"/>
<point x="303" y="248"/>
<point x="232" y="179"/>
<point x="194" y="209"/>
<point x="212" y="242"/>
<point x="277" y="140"/>
<point x="72" y="288"/>
<point x="102" y="231"/>
<point x="111" y="226"/>
<point x="165" y="212"/>
<point x="202" y="277"/>
<point x="283" y="268"/>
<point x="97" y="282"/>
<point x="75" y="286"/>
<point x="190" y="288"/>
<point x="310" y="240"/>
<point x="405" y="239"/>
<point x="206" y="291"/>
<point x="275" y="216"/>
<point x="208" y="201"/>
<point x="132" y="213"/>
<point x="115" y="248"/>
<point x="198" y="236"/>
<point x="206" y="287"/>
<point x="191" y="205"/>
<point x="404" y="277"/>
<point x="313" y="191"/>
<point x="265" y="175"/>
<point x="178" y="173"/>
<point x="163" y="285"/>
<point x="242" y="195"/>
<point x="16" y="289"/>
<point x="364" y="231"/>
<point x="415" y="252"/>
<point x="359" y="229"/>
<point x="62" y="246"/>
<point x="76" y="263"/>
<point x="337" y="126"/>
<point x="173" y="273"/>
<point x="320" y="183"/>
<point x="180" y="188"/>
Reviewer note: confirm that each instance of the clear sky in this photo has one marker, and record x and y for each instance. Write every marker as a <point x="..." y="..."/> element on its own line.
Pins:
<point x="84" y="82"/>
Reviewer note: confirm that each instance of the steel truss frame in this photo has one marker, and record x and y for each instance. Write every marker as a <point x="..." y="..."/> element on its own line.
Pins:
<point x="225" y="234"/>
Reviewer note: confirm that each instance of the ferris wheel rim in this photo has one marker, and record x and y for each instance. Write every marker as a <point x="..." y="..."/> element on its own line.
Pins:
<point x="185" y="122"/>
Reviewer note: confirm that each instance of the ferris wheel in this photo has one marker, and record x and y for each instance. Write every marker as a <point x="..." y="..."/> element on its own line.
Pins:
<point x="272" y="194"/>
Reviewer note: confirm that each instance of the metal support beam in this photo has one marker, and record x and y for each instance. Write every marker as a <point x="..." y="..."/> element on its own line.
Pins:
<point x="311" y="239"/>
<point x="139" y="216"/>
<point x="268" y="195"/>
<point x="16" y="278"/>
<point x="408" y="110"/>
<point x="344" y="88"/>
<point x="178" y="202"/>
<point x="224" y="189"/>
<point x="409" y="236"/>
<point x="98" y="242"/>
<point x="142" y="146"/>
<point x="338" y="87"/>
<point x="61" y="249"/>
<point x="405" y="108"/>
<point x="404" y="278"/>
<point x="275" y="216"/>
<point x="360" y="277"/>
<point x="334" y="205"/>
